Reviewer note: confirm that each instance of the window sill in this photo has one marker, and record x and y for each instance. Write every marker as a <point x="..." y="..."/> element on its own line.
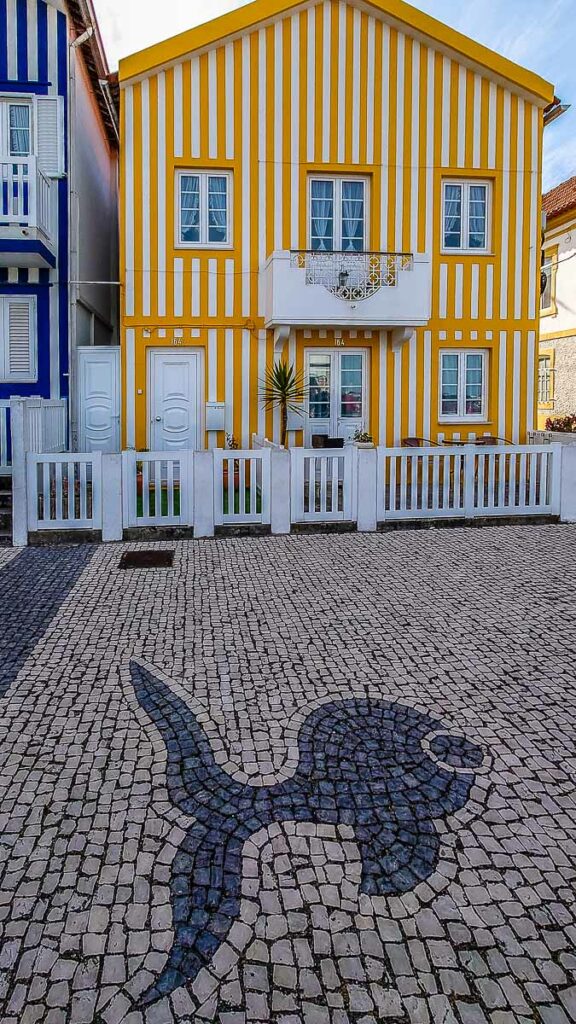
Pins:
<point x="203" y="247"/>
<point x="468" y="252"/>
<point x="474" y="420"/>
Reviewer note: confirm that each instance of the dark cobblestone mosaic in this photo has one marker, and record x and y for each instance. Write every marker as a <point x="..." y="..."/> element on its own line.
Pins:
<point x="257" y="640"/>
<point x="361" y="763"/>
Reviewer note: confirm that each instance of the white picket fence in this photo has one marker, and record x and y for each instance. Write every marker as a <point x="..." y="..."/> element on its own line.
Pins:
<point x="278" y="488"/>
<point x="5" y="455"/>
<point x="42" y="425"/>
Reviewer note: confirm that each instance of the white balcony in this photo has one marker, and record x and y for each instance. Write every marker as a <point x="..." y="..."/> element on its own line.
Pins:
<point x="27" y="214"/>
<point x="343" y="289"/>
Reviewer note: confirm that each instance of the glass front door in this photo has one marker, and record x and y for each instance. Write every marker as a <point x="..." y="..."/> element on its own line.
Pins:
<point x="337" y="399"/>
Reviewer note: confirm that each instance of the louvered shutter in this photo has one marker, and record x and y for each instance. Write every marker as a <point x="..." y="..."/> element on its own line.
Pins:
<point x="19" y="339"/>
<point x="50" y="134"/>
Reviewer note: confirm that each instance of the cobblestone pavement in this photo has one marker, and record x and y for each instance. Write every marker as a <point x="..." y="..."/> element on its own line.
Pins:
<point x="321" y="779"/>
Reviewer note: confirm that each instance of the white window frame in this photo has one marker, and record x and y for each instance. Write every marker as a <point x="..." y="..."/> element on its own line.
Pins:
<point x="335" y="355"/>
<point x="338" y="180"/>
<point x="461" y="416"/>
<point x="15" y="100"/>
<point x="5" y="376"/>
<point x="203" y="175"/>
<point x="466" y="184"/>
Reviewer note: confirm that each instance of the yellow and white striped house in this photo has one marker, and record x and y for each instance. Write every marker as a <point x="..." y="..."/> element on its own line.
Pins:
<point x="348" y="183"/>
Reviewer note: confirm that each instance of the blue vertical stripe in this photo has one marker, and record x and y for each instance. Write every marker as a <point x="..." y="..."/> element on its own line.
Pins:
<point x="3" y="41"/>
<point x="64" y="212"/>
<point x="42" y="32"/>
<point x="22" y="39"/>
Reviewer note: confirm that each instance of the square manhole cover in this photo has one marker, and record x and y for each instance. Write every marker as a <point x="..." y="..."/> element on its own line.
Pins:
<point x="147" y="560"/>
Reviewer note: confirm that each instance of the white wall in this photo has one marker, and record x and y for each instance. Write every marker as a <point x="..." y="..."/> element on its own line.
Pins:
<point x="565" y="318"/>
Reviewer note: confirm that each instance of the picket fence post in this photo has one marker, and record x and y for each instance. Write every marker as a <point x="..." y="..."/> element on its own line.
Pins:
<point x="280" y="506"/>
<point x="470" y="452"/>
<point x="367" y="490"/>
<point x="567" y="459"/>
<point x="112" y="518"/>
<point x="203" y="494"/>
<point x="19" y="473"/>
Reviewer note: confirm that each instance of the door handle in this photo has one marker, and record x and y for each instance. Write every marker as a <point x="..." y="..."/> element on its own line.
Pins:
<point x="158" y="419"/>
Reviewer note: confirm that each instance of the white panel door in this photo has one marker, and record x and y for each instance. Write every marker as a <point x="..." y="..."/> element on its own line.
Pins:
<point x="337" y="393"/>
<point x="175" y="389"/>
<point x="99" y="399"/>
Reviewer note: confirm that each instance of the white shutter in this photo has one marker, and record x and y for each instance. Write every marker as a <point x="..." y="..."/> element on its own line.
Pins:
<point x="50" y="134"/>
<point x="19" y="346"/>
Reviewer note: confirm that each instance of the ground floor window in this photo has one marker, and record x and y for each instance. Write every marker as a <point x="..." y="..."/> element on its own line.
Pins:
<point x="18" y="344"/>
<point x="337" y="397"/>
<point x="463" y="379"/>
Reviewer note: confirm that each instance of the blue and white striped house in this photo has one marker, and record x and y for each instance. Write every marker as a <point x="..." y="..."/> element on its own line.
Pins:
<point x="58" y="200"/>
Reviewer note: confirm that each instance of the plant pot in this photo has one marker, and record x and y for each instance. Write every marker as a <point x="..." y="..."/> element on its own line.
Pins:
<point x="364" y="444"/>
<point x="225" y="477"/>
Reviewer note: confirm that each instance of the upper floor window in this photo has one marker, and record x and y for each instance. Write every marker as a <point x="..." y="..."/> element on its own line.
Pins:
<point x="15" y="129"/>
<point x="338" y="214"/>
<point x="465" y="216"/>
<point x="18" y="352"/>
<point x="548" y="282"/>
<point x="204" y="208"/>
<point x="463" y="385"/>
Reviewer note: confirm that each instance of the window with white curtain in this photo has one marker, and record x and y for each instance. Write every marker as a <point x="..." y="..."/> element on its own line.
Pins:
<point x="466" y="216"/>
<point x="15" y="128"/>
<point x="338" y="214"/>
<point x="463" y="384"/>
<point x="204" y="209"/>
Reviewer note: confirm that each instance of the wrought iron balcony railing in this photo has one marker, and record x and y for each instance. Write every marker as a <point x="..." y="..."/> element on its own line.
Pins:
<point x="352" y="276"/>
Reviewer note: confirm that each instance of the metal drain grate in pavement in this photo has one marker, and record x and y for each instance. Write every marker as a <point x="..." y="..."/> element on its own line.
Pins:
<point x="147" y="560"/>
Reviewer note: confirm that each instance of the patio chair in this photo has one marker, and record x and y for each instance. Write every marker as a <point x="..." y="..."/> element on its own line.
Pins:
<point x="491" y="440"/>
<point x="419" y="442"/>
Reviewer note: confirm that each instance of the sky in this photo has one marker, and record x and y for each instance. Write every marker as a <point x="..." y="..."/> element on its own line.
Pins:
<point x="539" y="35"/>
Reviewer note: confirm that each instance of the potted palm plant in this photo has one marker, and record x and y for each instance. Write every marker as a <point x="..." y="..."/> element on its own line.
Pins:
<point x="285" y="389"/>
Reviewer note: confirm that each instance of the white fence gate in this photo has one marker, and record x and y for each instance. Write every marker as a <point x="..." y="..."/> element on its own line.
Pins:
<point x="64" y="492"/>
<point x="5" y="455"/>
<point x="323" y="484"/>
<point x="242" y="487"/>
<point x="157" y="488"/>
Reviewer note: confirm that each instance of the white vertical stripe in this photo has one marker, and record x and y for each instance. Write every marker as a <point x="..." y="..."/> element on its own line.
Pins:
<point x="229" y="61"/>
<point x="446" y="73"/>
<point x="195" y="287"/>
<point x="399" y="156"/>
<point x="356" y="69"/>
<point x="502" y="386"/>
<point x="246" y="179"/>
<point x="131" y="388"/>
<point x="212" y="106"/>
<point x="443" y="290"/>
<point x="212" y="287"/>
<point x="245" y="389"/>
<point x="415" y="160"/>
<point x="262" y="165"/>
<point x="475" y="128"/>
<point x="427" y="397"/>
<point x="430" y="123"/>
<point x="382" y="411"/>
<point x="341" y="80"/>
<point x="178" y="108"/>
<point x="462" y="91"/>
<point x="145" y="95"/>
<point x="32" y="42"/>
<point x="212" y="366"/>
<point x="54" y="340"/>
<point x="295" y="153"/>
<point x="326" y="81"/>
<point x="52" y="50"/>
<point x="489" y="291"/>
<point x="229" y="294"/>
<point x="195" y="104"/>
<point x="33" y="275"/>
<point x="397" y="396"/>
<point x="178" y="287"/>
<point x="129" y="196"/>
<point x="278" y="135"/>
<point x="520" y="189"/>
<point x="229" y="380"/>
<point x="291" y="436"/>
<point x="412" y="384"/>
<point x="459" y="290"/>
<point x="11" y="38"/>
<point x="162" y="194"/>
<point x="475" y="287"/>
<point x="492" y="126"/>
<point x="534" y="225"/>
<point x="262" y="341"/>
<point x="311" y="103"/>
<point x="530" y="388"/>
<point x="370" y="91"/>
<point x="516" y="387"/>
<point x="505" y="209"/>
<point x="385" y="134"/>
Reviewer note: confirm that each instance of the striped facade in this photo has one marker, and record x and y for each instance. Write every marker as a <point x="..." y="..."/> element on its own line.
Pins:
<point x="34" y="63"/>
<point x="330" y="87"/>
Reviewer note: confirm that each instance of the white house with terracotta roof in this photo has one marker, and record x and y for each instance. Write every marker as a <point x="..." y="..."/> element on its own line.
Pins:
<point x="557" y="358"/>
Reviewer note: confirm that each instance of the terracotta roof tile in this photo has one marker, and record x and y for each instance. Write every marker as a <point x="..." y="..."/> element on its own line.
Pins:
<point x="561" y="198"/>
